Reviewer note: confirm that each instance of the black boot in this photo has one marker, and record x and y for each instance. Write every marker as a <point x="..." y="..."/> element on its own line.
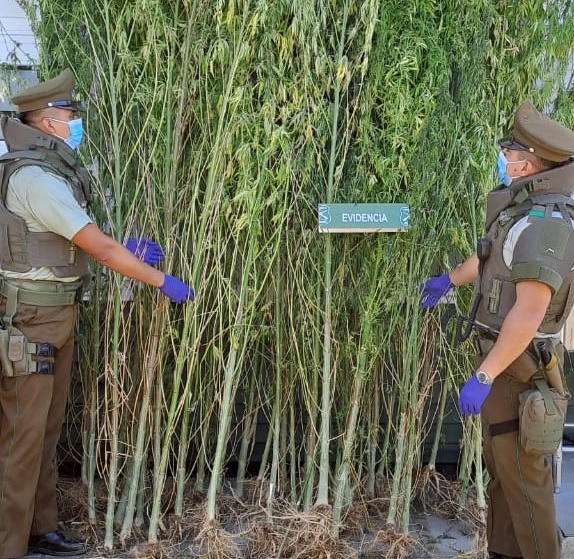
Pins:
<point x="55" y="543"/>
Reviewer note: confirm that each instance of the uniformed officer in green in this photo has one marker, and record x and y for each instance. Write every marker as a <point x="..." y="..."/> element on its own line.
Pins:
<point x="523" y="283"/>
<point x="46" y="239"/>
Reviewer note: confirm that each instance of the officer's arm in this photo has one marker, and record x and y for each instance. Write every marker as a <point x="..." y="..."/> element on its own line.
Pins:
<point x="467" y="272"/>
<point x="115" y="256"/>
<point x="519" y="326"/>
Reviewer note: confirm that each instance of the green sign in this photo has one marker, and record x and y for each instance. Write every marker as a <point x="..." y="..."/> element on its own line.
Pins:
<point x="363" y="218"/>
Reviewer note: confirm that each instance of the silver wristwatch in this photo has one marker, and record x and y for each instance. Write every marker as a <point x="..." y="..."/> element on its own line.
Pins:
<point x="483" y="378"/>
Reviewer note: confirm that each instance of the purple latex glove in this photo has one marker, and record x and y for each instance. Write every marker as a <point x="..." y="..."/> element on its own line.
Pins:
<point x="472" y="396"/>
<point x="145" y="249"/>
<point x="176" y="290"/>
<point x="433" y="289"/>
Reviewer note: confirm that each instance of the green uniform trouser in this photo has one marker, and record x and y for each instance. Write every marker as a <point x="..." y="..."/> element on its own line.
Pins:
<point x="32" y="409"/>
<point x="521" y="518"/>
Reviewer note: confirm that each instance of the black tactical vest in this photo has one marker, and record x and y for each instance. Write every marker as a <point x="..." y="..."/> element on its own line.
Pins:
<point x="546" y="198"/>
<point x="20" y="249"/>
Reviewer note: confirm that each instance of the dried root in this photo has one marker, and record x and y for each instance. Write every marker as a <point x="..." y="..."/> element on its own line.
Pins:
<point x="247" y="529"/>
<point x="215" y="543"/>
<point x="396" y="544"/>
<point x="434" y="493"/>
<point x="160" y="550"/>
<point x="294" y="535"/>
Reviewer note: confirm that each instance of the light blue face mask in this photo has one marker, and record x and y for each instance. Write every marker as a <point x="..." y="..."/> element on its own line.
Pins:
<point x="501" y="164"/>
<point x="76" y="127"/>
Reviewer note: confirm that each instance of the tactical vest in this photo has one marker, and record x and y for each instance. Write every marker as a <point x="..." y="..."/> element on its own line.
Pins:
<point x="21" y="249"/>
<point x="547" y="256"/>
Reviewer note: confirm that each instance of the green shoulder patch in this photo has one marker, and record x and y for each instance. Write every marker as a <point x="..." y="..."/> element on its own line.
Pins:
<point x="536" y="213"/>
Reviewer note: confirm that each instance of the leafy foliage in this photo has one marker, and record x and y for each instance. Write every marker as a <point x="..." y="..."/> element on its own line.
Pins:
<point x="216" y="127"/>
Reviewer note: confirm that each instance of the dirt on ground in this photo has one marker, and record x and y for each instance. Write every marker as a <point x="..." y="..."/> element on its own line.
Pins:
<point x="245" y="528"/>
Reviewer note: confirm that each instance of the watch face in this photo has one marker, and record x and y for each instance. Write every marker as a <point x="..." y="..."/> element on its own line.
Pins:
<point x="483" y="378"/>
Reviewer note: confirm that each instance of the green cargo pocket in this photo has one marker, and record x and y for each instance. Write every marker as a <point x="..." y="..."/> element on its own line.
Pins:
<point x="541" y="426"/>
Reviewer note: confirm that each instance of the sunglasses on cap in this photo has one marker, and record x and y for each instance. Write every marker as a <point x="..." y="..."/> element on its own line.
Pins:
<point x="512" y="143"/>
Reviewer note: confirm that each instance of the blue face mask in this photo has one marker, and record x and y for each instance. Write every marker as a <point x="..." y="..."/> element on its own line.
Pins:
<point x="501" y="164"/>
<point x="76" y="127"/>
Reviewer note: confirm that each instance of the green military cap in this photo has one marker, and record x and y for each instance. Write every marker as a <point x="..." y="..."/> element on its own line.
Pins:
<point x="538" y="134"/>
<point x="56" y="92"/>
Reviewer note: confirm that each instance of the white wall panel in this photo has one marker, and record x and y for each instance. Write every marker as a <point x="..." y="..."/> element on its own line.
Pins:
<point x="17" y="43"/>
<point x="17" y="48"/>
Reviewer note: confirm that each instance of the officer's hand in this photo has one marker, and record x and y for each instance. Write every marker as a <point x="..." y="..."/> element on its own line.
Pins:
<point x="433" y="289"/>
<point x="472" y="396"/>
<point x="176" y="290"/>
<point x="145" y="249"/>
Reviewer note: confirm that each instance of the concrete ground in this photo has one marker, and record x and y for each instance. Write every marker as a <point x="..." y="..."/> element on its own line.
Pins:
<point x="447" y="540"/>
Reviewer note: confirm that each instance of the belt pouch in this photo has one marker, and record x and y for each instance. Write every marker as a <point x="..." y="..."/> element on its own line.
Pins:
<point x="523" y="368"/>
<point x="7" y="369"/>
<point x="542" y="413"/>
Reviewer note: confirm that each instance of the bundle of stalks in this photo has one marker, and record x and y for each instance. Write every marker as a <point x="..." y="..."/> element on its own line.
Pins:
<point x="216" y="127"/>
